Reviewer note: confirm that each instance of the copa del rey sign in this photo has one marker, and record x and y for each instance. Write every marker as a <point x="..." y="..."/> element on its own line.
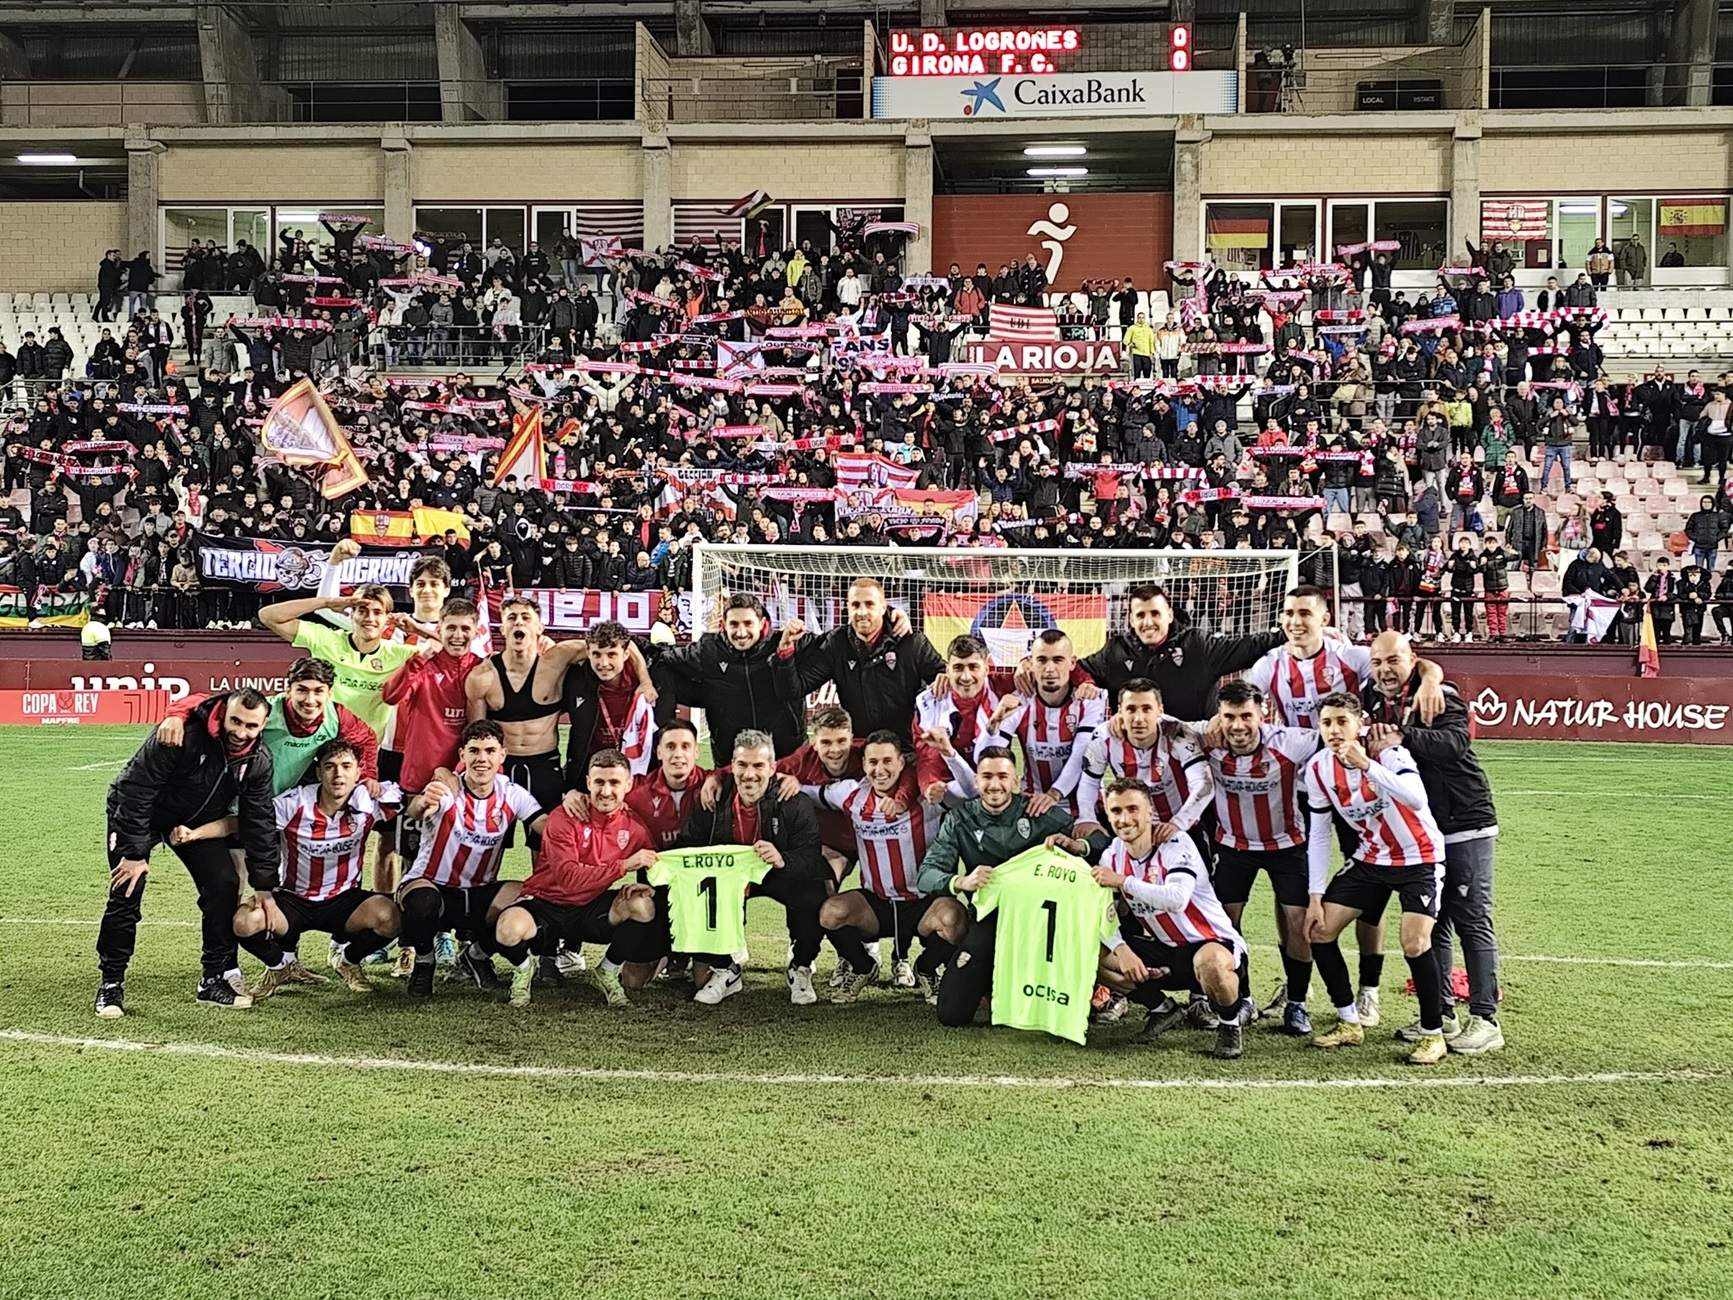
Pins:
<point x="1066" y="357"/>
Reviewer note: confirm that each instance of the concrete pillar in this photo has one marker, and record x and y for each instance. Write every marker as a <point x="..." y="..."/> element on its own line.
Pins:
<point x="933" y="13"/>
<point x="399" y="188"/>
<point x="14" y="64"/>
<point x="1691" y="53"/>
<point x="918" y="201"/>
<point x="1188" y="146"/>
<point x="466" y="92"/>
<point x="229" y="67"/>
<point x="1464" y="187"/>
<point x="691" y="33"/>
<point x="1437" y="22"/>
<point x="1182" y="11"/>
<point x="658" y="191"/>
<point x="142" y="155"/>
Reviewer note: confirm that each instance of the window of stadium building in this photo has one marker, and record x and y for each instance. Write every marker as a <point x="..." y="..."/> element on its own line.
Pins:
<point x="480" y="226"/>
<point x="1238" y="235"/>
<point x="1417" y="225"/>
<point x="261" y="227"/>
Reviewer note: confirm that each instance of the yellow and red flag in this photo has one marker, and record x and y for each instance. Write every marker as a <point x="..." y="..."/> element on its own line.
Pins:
<point x="1687" y="217"/>
<point x="1648" y="653"/>
<point x="523" y="457"/>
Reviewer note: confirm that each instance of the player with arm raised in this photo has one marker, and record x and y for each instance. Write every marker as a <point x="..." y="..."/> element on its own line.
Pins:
<point x="1294" y="677"/>
<point x="878" y="663"/>
<point x="1257" y="772"/>
<point x="362" y="658"/>
<point x="893" y="824"/>
<point x="1176" y="934"/>
<point x="1460" y="797"/>
<point x="1053" y="726"/>
<point x="1401" y="852"/>
<point x="454" y="881"/>
<point x="569" y="899"/>
<point x="732" y="676"/>
<point x="1142" y="744"/>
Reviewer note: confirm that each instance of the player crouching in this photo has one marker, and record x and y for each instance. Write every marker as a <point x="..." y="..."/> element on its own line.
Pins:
<point x="1176" y="934"/>
<point x="324" y="830"/>
<point x="569" y="898"/>
<point x="1401" y="852"/>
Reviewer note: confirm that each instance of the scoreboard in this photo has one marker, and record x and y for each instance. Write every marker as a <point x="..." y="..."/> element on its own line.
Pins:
<point x="1030" y="51"/>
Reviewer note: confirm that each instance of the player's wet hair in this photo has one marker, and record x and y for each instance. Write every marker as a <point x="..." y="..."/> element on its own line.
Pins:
<point x="829" y="718"/>
<point x="1051" y="636"/>
<point x="482" y="729"/>
<point x="335" y="747"/>
<point x="525" y="601"/>
<point x="609" y="758"/>
<point x="604" y="636"/>
<point x="308" y="669"/>
<point x="995" y="751"/>
<point x="678" y="724"/>
<point x="965" y="647"/>
<point x="459" y="607"/>
<point x="373" y="591"/>
<point x="1342" y="700"/>
<point x="1306" y="590"/>
<point x="1239" y="693"/>
<point x="430" y="565"/>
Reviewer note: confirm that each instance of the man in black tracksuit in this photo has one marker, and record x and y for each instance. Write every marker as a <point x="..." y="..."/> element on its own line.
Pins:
<point x="166" y="790"/>
<point x="1460" y="797"/>
<point x="878" y="664"/>
<point x="1184" y="662"/>
<point x="732" y="676"/>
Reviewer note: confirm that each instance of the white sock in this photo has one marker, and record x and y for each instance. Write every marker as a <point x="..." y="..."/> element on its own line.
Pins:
<point x="1349" y="1014"/>
<point x="232" y="973"/>
<point x="612" y="967"/>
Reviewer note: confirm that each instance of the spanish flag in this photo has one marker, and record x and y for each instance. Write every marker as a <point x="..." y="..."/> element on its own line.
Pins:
<point x="1007" y="622"/>
<point x="523" y="457"/>
<point x="1687" y="217"/>
<point x="382" y="527"/>
<point x="432" y="524"/>
<point x="1648" y="653"/>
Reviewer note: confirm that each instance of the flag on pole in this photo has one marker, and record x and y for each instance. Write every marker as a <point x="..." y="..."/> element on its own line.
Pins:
<point x="1648" y="653"/>
<point x="523" y="456"/>
<point x="300" y="428"/>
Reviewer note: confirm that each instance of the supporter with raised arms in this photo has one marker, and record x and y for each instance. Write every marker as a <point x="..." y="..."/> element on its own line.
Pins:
<point x="732" y="676"/>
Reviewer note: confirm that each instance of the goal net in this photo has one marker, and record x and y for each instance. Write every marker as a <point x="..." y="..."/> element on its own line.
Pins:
<point x="1002" y="598"/>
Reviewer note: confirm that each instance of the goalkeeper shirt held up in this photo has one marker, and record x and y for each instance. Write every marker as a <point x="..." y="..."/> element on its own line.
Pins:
<point x="707" y="895"/>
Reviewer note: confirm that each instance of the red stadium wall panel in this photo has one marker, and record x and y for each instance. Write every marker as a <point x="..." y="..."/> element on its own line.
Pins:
<point x="1089" y="236"/>
<point x="1685" y="710"/>
<point x="173" y="665"/>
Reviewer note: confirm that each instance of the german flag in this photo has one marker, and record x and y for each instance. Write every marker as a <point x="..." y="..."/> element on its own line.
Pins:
<point x="1683" y="218"/>
<point x="1242" y="231"/>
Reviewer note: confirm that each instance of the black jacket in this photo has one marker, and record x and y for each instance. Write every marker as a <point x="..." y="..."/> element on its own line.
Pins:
<point x="1456" y="785"/>
<point x="790" y="824"/>
<point x="1185" y="667"/>
<point x="190" y="784"/>
<point x="875" y="684"/>
<point x="738" y="691"/>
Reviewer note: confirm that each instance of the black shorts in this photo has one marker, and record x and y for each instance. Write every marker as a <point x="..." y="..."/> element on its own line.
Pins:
<point x="1180" y="960"/>
<point x="573" y="924"/>
<point x="1368" y="889"/>
<point x="390" y="773"/>
<point x="543" y="777"/>
<point x="1347" y="838"/>
<point x="1235" y="869"/>
<point x="462" y="910"/>
<point x="897" y="918"/>
<point x="326" y="915"/>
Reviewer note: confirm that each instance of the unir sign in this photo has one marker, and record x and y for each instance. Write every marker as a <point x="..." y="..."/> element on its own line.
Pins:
<point x="1079" y="357"/>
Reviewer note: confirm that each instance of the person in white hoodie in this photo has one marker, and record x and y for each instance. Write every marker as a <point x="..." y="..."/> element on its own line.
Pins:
<point x="848" y="290"/>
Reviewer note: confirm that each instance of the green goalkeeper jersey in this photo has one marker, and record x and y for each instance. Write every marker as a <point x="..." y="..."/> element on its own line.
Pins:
<point x="707" y="895"/>
<point x="1053" y="919"/>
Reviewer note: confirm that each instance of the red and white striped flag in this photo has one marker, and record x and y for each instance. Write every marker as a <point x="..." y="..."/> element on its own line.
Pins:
<point x="1022" y="324"/>
<point x="1515" y="219"/>
<point x="858" y="469"/>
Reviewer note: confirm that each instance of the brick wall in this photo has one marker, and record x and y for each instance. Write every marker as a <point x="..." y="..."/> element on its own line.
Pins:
<point x="53" y="247"/>
<point x="1643" y="162"/>
<point x="542" y="170"/>
<point x="264" y="172"/>
<point x="1301" y="164"/>
<point x="797" y="170"/>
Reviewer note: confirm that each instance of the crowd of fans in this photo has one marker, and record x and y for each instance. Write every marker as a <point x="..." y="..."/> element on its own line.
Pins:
<point x="1409" y="447"/>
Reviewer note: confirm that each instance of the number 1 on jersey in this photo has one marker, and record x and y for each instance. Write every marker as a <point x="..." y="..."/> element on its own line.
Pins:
<point x="1051" y="907"/>
<point x="707" y="887"/>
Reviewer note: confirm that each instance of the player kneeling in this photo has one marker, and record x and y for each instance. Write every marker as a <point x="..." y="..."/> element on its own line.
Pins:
<point x="324" y="830"/>
<point x="569" y="898"/>
<point x="1401" y="852"/>
<point x="1177" y="934"/>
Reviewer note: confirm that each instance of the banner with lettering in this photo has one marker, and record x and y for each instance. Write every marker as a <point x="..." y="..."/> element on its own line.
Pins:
<point x="269" y="565"/>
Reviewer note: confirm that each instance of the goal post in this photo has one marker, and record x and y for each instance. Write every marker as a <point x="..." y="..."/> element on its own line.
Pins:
<point x="1001" y="597"/>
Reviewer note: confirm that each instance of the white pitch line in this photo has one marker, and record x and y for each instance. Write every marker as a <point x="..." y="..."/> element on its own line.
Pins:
<point x="1687" y="963"/>
<point x="1620" y="794"/>
<point x="107" y="765"/>
<point x="590" y="1074"/>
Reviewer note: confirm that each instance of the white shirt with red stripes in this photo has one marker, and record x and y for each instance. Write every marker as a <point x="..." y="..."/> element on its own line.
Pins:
<point x="638" y="735"/>
<point x="464" y="836"/>
<point x="322" y="852"/>
<point x="1386" y="804"/>
<point x="1257" y="795"/>
<point x="1053" y="737"/>
<point x="1169" y="892"/>
<point x="1174" y="768"/>
<point x="888" y="849"/>
<point x="1293" y="685"/>
<point x="939" y="711"/>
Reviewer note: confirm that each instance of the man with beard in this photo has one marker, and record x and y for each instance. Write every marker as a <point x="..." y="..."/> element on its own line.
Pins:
<point x="879" y="665"/>
<point x="731" y="675"/>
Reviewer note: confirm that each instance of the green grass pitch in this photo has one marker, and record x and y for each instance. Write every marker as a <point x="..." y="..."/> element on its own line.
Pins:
<point x="325" y="1144"/>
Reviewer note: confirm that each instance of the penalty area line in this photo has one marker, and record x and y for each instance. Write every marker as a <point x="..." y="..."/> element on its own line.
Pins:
<point x="590" y="1074"/>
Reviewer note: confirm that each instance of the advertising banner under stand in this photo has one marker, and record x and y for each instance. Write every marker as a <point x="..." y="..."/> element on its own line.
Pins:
<point x="1092" y="94"/>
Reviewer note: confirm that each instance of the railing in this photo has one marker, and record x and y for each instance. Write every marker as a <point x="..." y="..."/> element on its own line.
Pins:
<point x="477" y="346"/>
<point x="822" y="95"/>
<point x="1609" y="85"/>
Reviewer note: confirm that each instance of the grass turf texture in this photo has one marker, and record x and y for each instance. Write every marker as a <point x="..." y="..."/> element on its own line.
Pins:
<point x="150" y="1173"/>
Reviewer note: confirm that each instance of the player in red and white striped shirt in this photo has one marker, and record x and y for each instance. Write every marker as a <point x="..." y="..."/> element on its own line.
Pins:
<point x="893" y="824"/>
<point x="454" y="882"/>
<point x="1053" y="726"/>
<point x="1154" y="749"/>
<point x="1294" y="677"/>
<point x="1258" y="773"/>
<point x="1400" y="852"/>
<point x="972" y="690"/>
<point x="1177" y="935"/>
<point x="324" y="831"/>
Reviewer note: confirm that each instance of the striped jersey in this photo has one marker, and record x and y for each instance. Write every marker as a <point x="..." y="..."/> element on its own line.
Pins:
<point x="1199" y="918"/>
<point x="1293" y="686"/>
<point x="634" y="735"/>
<point x="963" y="719"/>
<point x="1053" y="738"/>
<point x="1257" y="795"/>
<point x="322" y="853"/>
<point x="1173" y="768"/>
<point x="888" y="849"/>
<point x="1392" y="834"/>
<point x="464" y="836"/>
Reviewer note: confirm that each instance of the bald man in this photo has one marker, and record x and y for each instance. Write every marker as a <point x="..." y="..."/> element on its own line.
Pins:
<point x="1461" y="800"/>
